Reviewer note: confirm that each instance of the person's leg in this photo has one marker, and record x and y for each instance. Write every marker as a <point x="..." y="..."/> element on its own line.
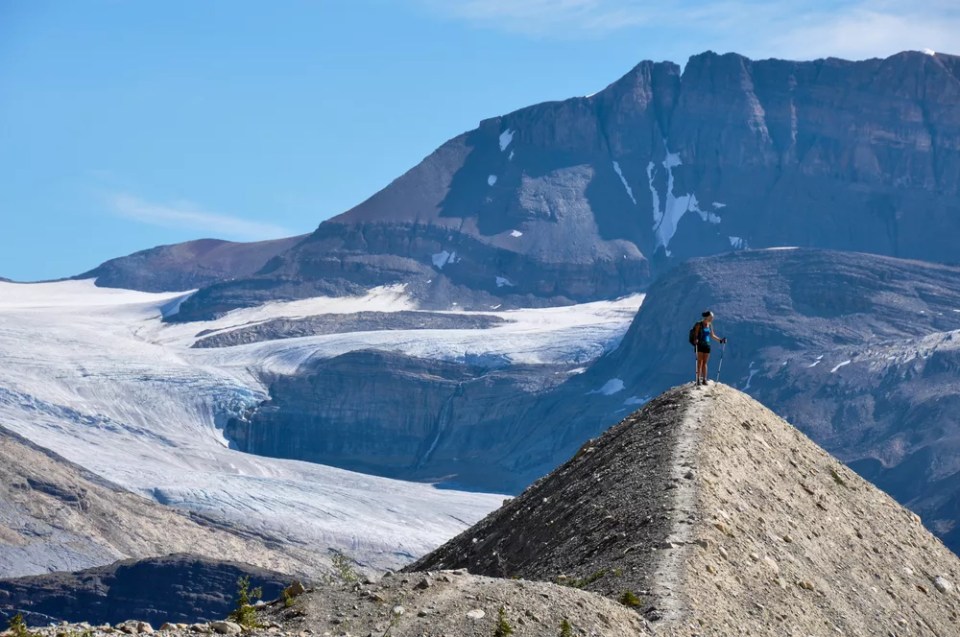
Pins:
<point x="706" y="361"/>
<point x="701" y="366"/>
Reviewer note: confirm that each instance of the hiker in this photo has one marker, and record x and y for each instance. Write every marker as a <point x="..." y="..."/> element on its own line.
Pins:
<point x="704" y="335"/>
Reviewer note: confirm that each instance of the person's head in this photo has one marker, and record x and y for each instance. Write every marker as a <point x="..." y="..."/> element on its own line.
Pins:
<point x="707" y="317"/>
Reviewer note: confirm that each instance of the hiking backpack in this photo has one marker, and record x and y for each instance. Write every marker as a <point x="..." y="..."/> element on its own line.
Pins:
<point x="693" y="333"/>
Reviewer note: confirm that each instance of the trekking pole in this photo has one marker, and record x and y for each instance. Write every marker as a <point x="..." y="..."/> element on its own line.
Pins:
<point x="696" y="365"/>
<point x="723" y="348"/>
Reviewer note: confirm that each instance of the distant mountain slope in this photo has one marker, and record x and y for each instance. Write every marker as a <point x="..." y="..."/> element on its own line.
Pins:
<point x="56" y="516"/>
<point x="487" y="426"/>
<point x="718" y="515"/>
<point x="172" y="588"/>
<point x="185" y="266"/>
<point x="593" y="196"/>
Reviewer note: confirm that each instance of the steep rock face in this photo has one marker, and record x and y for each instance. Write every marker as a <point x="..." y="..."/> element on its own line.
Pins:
<point x="174" y="588"/>
<point x="409" y="418"/>
<point x="55" y="516"/>
<point x="189" y="265"/>
<point x="592" y="197"/>
<point x="861" y="352"/>
<point x="721" y="518"/>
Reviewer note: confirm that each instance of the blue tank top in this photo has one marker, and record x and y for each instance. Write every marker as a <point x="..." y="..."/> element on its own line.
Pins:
<point x="706" y="334"/>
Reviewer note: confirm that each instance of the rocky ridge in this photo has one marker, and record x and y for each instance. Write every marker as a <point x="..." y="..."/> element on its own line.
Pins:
<point x="186" y="266"/>
<point x="753" y="530"/>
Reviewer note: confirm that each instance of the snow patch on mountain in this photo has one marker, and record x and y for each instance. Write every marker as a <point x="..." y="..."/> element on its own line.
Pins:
<point x="839" y="365"/>
<point x="611" y="387"/>
<point x="442" y="258"/>
<point x="516" y="233"/>
<point x="505" y="138"/>
<point x="623" y="180"/>
<point x="752" y="371"/>
<point x="667" y="215"/>
<point x="504" y="281"/>
<point x="491" y="180"/>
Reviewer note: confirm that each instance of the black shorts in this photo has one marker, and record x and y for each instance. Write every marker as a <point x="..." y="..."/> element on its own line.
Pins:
<point x="703" y="348"/>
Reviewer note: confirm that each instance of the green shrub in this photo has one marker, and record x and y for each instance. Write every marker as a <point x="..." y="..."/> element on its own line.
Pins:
<point x="503" y="627"/>
<point x="837" y="477"/>
<point x="630" y="599"/>
<point x="566" y="630"/>
<point x="19" y="627"/>
<point x="583" y="583"/>
<point x="244" y="614"/>
<point x="343" y="567"/>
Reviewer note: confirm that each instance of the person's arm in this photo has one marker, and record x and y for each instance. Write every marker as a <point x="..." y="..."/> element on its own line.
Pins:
<point x="718" y="337"/>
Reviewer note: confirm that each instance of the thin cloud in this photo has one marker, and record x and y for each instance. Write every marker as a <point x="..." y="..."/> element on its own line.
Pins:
<point x="546" y="17"/>
<point x="183" y="215"/>
<point x="854" y="29"/>
<point x="863" y="33"/>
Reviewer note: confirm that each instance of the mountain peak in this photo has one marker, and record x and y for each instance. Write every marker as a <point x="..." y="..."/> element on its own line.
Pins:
<point x="593" y="198"/>
<point x="714" y="511"/>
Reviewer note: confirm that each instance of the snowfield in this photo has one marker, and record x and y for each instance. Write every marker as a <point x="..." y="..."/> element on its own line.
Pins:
<point x="96" y="376"/>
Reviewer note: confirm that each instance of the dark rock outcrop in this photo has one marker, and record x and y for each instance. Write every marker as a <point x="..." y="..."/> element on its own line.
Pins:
<point x="175" y="588"/>
<point x="275" y="329"/>
<point x="593" y="197"/>
<point x="186" y="266"/>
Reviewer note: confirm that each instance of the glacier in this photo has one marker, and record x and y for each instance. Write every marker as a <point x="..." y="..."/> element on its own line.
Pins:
<point x="95" y="375"/>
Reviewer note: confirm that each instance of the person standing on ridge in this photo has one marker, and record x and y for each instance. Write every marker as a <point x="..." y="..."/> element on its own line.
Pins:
<point x="704" y="336"/>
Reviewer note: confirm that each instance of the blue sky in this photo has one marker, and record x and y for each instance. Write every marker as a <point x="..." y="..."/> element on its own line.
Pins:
<point x="126" y="124"/>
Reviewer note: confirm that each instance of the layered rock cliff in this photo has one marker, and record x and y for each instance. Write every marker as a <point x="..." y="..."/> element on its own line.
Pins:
<point x="407" y="417"/>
